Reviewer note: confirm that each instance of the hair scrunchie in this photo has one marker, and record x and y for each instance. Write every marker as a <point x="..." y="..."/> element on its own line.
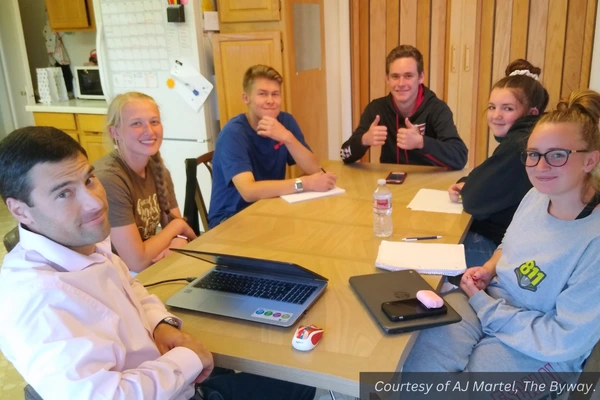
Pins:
<point x="526" y="73"/>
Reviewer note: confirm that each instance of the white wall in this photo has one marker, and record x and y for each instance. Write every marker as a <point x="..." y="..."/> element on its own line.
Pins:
<point x="7" y="124"/>
<point x="337" y="54"/>
<point x="33" y="16"/>
<point x="79" y="45"/>
<point x="13" y="56"/>
<point x="595" y="72"/>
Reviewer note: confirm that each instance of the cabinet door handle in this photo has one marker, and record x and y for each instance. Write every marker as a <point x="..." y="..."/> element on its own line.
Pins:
<point x="453" y="58"/>
<point x="467" y="58"/>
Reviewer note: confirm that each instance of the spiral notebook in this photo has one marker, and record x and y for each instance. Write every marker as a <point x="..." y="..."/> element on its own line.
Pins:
<point x="425" y="258"/>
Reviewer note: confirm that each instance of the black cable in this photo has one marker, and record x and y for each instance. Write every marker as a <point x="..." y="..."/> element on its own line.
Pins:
<point x="188" y="279"/>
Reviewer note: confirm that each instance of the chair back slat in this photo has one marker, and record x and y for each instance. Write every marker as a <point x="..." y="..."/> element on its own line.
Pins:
<point x="206" y="160"/>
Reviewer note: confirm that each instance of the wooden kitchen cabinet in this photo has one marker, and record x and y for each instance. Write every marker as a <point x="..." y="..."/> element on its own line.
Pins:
<point x="91" y="137"/>
<point x="64" y="122"/>
<point x="249" y="10"/>
<point x="71" y="15"/>
<point x="233" y="54"/>
<point x="85" y="128"/>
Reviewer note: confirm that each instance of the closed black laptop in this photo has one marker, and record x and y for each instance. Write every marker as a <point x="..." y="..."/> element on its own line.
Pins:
<point x="375" y="289"/>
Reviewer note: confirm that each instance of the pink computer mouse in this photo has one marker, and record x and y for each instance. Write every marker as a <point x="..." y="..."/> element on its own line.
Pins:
<point x="306" y="337"/>
<point x="430" y="299"/>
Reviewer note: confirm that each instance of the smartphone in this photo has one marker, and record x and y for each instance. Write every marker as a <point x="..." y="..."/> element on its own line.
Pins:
<point x="395" y="178"/>
<point x="402" y="310"/>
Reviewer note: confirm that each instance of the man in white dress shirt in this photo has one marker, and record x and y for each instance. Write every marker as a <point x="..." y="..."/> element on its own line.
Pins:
<point x="76" y="324"/>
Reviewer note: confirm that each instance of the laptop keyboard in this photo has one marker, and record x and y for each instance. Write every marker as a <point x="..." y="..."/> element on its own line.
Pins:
<point x="295" y="293"/>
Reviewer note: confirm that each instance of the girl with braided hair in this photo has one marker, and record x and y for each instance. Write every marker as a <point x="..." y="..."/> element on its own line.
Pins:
<point x="138" y="185"/>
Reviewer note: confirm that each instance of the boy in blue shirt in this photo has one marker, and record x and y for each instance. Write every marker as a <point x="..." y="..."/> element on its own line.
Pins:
<point x="253" y="149"/>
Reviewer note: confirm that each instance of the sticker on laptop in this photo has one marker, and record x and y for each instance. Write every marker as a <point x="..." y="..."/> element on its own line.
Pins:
<point x="265" y="313"/>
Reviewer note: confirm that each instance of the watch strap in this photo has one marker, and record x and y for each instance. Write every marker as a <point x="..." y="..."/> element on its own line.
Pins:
<point x="170" y="321"/>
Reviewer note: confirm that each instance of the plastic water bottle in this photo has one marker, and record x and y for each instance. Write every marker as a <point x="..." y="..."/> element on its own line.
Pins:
<point x="382" y="210"/>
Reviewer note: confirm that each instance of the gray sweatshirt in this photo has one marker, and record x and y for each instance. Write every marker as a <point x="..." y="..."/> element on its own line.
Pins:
<point x="544" y="301"/>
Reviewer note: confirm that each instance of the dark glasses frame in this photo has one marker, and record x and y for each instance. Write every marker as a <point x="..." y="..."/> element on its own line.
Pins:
<point x="525" y="156"/>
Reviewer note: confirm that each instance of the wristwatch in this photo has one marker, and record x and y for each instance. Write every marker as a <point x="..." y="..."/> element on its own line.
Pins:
<point x="171" y="321"/>
<point x="298" y="185"/>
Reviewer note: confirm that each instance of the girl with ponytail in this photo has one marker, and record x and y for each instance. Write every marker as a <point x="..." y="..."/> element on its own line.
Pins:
<point x="533" y="305"/>
<point x="138" y="185"/>
<point x="493" y="190"/>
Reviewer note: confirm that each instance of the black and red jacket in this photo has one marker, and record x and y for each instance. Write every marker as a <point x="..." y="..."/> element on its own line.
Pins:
<point x="442" y="146"/>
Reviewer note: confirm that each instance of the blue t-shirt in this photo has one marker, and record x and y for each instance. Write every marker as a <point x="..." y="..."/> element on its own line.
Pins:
<point x="240" y="149"/>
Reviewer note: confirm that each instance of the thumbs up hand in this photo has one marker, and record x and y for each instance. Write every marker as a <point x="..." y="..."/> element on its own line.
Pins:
<point x="376" y="134"/>
<point x="409" y="138"/>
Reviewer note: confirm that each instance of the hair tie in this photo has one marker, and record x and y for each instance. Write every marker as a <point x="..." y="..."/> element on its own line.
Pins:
<point x="526" y="73"/>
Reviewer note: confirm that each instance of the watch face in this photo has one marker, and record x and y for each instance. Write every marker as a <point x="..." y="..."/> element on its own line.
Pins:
<point x="298" y="185"/>
<point x="171" y="321"/>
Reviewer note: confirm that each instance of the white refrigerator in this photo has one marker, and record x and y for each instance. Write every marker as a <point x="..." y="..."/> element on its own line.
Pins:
<point x="137" y="49"/>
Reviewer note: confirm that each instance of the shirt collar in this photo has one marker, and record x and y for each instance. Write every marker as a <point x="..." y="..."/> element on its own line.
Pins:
<point x="60" y="255"/>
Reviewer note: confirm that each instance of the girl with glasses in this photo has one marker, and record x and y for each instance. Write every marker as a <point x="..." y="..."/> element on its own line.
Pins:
<point x="492" y="191"/>
<point x="534" y="305"/>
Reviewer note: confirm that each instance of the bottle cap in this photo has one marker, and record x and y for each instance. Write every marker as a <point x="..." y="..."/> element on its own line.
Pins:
<point x="381" y="182"/>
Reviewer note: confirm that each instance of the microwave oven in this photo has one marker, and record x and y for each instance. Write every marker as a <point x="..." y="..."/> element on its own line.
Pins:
<point x="87" y="81"/>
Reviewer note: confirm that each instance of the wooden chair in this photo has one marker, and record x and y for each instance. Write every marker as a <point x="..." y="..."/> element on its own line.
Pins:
<point x="591" y="368"/>
<point x="194" y="202"/>
<point x="11" y="239"/>
<point x="31" y="394"/>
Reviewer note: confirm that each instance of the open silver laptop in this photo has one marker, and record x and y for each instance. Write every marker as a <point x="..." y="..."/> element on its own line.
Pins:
<point x="266" y="291"/>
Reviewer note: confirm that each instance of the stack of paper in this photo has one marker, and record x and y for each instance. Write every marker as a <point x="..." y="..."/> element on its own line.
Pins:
<point x="434" y="201"/>
<point x="303" y="196"/>
<point x="432" y="258"/>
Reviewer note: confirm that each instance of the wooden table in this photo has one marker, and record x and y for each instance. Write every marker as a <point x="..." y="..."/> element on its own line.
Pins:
<point x="332" y="236"/>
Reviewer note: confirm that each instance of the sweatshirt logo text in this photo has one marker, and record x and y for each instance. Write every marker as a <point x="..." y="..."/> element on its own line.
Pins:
<point x="529" y="275"/>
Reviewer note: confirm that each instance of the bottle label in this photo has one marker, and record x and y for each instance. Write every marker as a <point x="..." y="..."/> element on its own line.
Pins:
<point x="382" y="204"/>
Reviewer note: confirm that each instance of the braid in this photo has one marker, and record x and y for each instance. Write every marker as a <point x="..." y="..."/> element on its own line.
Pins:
<point x="157" y="167"/>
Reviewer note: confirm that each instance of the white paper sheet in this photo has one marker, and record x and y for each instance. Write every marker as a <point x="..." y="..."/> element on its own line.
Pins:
<point x="191" y="85"/>
<point x="430" y="258"/>
<point x="297" y="197"/>
<point x="434" y="201"/>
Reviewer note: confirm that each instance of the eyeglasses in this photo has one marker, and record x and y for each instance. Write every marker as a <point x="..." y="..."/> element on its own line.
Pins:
<point x="554" y="158"/>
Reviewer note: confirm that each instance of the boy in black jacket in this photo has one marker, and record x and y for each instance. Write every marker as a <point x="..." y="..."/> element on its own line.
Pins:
<point x="411" y="124"/>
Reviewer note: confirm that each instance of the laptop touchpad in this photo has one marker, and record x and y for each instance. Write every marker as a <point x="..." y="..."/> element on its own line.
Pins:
<point x="219" y="302"/>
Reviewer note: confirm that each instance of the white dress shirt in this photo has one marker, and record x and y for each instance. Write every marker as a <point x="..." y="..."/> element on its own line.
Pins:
<point x="81" y="327"/>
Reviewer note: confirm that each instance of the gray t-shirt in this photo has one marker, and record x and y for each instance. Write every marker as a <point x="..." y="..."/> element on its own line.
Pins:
<point x="544" y="300"/>
<point x="131" y="198"/>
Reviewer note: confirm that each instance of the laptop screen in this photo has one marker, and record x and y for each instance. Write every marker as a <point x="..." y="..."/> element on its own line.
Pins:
<point x="248" y="264"/>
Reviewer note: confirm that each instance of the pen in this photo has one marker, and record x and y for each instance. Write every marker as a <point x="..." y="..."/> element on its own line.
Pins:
<point x="323" y="170"/>
<point x="414" y="239"/>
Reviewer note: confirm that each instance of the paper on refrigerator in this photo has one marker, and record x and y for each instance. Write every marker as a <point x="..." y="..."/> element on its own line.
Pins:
<point x="190" y="84"/>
